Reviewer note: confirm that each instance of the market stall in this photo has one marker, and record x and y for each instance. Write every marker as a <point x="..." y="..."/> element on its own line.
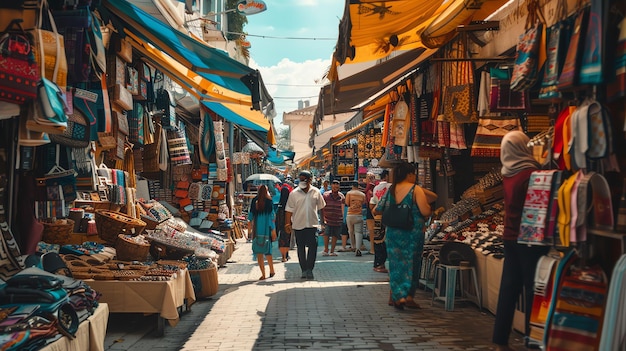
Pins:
<point x="163" y="297"/>
<point x="90" y="334"/>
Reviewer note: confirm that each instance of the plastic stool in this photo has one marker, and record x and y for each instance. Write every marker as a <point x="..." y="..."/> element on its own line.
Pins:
<point x="454" y="273"/>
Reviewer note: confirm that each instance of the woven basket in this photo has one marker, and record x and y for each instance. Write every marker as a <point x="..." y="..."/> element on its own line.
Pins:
<point x="110" y="224"/>
<point x="151" y="222"/>
<point x="57" y="232"/>
<point x="128" y="250"/>
<point x="163" y="250"/>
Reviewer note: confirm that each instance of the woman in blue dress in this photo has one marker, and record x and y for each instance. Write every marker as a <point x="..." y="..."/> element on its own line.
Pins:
<point x="404" y="247"/>
<point x="261" y="225"/>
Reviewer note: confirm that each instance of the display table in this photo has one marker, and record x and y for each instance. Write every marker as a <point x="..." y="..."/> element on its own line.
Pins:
<point x="90" y="334"/>
<point x="164" y="298"/>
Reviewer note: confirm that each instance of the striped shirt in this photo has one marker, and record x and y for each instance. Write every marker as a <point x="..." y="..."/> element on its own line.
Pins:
<point x="333" y="212"/>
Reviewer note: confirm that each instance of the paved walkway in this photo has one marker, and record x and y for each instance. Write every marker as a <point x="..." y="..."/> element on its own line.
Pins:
<point x="344" y="308"/>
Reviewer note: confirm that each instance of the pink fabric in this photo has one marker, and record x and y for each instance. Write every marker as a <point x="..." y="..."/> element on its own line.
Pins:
<point x="536" y="204"/>
<point x="574" y="231"/>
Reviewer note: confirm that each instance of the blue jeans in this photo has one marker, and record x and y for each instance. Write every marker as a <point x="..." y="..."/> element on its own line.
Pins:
<point x="307" y="238"/>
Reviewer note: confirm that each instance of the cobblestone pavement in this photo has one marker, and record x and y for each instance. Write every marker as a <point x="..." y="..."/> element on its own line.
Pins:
<point x="344" y="308"/>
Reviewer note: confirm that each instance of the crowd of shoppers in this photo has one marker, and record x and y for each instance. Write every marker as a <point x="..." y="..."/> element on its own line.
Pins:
<point x="306" y="212"/>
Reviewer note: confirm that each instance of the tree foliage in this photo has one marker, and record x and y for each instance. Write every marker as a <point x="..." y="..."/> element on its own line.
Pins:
<point x="236" y="21"/>
<point x="283" y="139"/>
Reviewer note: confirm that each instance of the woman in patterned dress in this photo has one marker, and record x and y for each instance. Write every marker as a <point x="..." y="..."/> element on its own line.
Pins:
<point x="261" y="224"/>
<point x="404" y="247"/>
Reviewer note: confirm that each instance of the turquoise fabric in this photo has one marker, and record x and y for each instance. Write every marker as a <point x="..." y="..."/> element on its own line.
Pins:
<point x="404" y="249"/>
<point x="263" y="226"/>
<point x="210" y="63"/>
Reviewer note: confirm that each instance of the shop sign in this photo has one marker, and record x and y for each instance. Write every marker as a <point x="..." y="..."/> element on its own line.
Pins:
<point x="251" y="7"/>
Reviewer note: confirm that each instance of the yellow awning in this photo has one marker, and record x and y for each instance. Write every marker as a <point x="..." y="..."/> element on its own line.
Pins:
<point x="371" y="37"/>
<point x="197" y="85"/>
<point x="241" y="115"/>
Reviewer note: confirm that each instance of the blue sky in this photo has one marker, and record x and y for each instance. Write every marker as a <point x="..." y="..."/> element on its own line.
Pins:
<point x="292" y="68"/>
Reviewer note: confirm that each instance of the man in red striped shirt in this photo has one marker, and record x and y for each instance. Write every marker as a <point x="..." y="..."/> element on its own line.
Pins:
<point x="332" y="217"/>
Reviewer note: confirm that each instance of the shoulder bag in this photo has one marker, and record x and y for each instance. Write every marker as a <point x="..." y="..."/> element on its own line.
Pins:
<point x="400" y="215"/>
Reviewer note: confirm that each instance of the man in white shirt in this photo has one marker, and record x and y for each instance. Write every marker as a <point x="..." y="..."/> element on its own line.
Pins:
<point x="380" y="248"/>
<point x="301" y="215"/>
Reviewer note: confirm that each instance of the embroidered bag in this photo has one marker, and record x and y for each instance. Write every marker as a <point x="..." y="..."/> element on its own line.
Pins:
<point x="17" y="65"/>
<point x="459" y="103"/>
<point x="568" y="77"/>
<point x="591" y="71"/>
<point x="538" y="205"/>
<point x="77" y="134"/>
<point x="526" y="70"/>
<point x="502" y="98"/>
<point x="489" y="135"/>
<point x="558" y="34"/>
<point x="75" y="26"/>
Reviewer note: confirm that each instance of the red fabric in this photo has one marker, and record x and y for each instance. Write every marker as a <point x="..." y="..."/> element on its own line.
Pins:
<point x="515" y="188"/>
<point x="558" y="143"/>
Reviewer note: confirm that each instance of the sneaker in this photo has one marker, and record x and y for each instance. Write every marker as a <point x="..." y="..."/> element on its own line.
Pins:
<point x="309" y="275"/>
<point x="304" y="274"/>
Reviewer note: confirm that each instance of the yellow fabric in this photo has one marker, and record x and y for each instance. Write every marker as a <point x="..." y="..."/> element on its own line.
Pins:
<point x="188" y="79"/>
<point x="567" y="136"/>
<point x="377" y="21"/>
<point x="371" y="39"/>
<point x="565" y="204"/>
<point x="443" y="27"/>
<point x="377" y="49"/>
<point x="271" y="137"/>
<point x="253" y="116"/>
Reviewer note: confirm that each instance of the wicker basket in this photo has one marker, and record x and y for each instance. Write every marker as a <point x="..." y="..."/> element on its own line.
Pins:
<point x="128" y="250"/>
<point x="151" y="222"/>
<point x="57" y="232"/>
<point x="161" y="250"/>
<point x="110" y="224"/>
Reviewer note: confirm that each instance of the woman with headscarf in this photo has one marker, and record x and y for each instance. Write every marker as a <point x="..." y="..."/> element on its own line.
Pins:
<point x="261" y="225"/>
<point x="405" y="246"/>
<point x="520" y="260"/>
<point x="284" y="238"/>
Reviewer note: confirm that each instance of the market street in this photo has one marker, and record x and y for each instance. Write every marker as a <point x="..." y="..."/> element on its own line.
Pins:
<point x="344" y="308"/>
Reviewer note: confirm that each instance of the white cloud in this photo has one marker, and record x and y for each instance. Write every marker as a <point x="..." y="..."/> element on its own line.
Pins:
<point x="289" y="81"/>
<point x="308" y="3"/>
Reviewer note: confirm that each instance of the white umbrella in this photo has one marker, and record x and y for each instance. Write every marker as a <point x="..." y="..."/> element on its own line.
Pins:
<point x="263" y="176"/>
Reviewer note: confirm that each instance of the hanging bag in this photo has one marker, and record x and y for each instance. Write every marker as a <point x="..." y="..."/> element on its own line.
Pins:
<point x="569" y="75"/>
<point x="459" y="101"/>
<point x="527" y="61"/>
<point x="17" y="65"/>
<point x="503" y="98"/>
<point x="75" y="26"/>
<point x="558" y="35"/>
<point x="50" y="47"/>
<point x="592" y="59"/>
<point x="77" y="133"/>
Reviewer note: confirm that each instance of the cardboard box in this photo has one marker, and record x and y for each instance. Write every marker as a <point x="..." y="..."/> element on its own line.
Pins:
<point x="204" y="282"/>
